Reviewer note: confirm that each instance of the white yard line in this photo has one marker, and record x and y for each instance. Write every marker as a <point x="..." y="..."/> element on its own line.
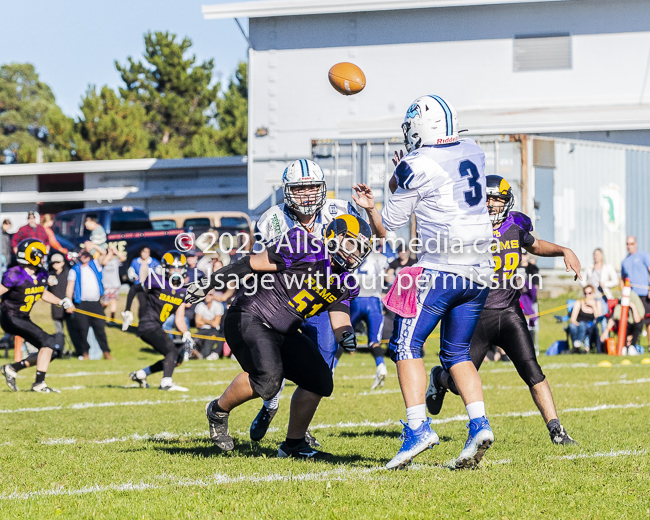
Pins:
<point x="340" y="473"/>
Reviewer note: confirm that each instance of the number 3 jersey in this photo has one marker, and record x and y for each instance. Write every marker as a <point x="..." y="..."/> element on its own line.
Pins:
<point x="161" y="301"/>
<point x="513" y="234"/>
<point x="444" y="186"/>
<point x="303" y="286"/>
<point x="24" y="290"/>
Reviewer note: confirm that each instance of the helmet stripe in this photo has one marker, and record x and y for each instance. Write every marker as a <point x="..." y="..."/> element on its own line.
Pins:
<point x="304" y="167"/>
<point x="448" y="117"/>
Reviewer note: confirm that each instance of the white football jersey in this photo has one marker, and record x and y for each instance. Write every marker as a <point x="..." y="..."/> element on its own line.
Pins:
<point x="277" y="220"/>
<point x="445" y="187"/>
<point x="370" y="275"/>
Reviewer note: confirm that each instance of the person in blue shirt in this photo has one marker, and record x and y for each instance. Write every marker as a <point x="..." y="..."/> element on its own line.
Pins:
<point x="134" y="269"/>
<point x="636" y="268"/>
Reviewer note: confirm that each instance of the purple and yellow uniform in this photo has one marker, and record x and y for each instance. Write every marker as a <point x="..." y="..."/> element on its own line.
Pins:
<point x="304" y="285"/>
<point x="261" y="328"/>
<point x="24" y="290"/>
<point x="513" y="234"/>
<point x="160" y="301"/>
<point x="502" y="322"/>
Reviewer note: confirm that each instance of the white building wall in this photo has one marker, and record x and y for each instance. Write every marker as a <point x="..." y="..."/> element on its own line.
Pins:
<point x="464" y="54"/>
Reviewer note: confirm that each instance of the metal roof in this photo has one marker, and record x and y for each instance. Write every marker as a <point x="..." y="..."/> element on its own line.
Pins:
<point x="120" y="165"/>
<point x="271" y="8"/>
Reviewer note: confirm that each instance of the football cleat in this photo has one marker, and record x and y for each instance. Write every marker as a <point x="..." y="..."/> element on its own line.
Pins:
<point x="261" y="423"/>
<point x="560" y="436"/>
<point x="414" y="443"/>
<point x="303" y="451"/>
<point x="435" y="392"/>
<point x="219" y="428"/>
<point x="311" y="440"/>
<point x="43" y="388"/>
<point x="480" y="438"/>
<point x="10" y="375"/>
<point x="380" y="376"/>
<point x="174" y="388"/>
<point x="142" y="381"/>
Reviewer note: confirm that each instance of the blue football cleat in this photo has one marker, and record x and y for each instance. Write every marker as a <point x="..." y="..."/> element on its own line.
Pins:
<point x="480" y="438"/>
<point x="415" y="442"/>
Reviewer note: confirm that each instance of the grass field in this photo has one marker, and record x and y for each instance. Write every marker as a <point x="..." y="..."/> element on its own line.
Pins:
<point x="102" y="449"/>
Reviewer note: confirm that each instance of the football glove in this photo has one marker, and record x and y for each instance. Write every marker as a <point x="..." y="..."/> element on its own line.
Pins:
<point x="348" y="341"/>
<point x="188" y="342"/>
<point x="196" y="292"/>
<point x="127" y="319"/>
<point x="51" y="280"/>
<point x="66" y="303"/>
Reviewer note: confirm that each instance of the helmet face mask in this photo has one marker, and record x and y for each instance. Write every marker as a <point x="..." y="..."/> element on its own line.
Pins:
<point x="500" y="198"/>
<point x="174" y="265"/>
<point x="347" y="239"/>
<point x="303" y="184"/>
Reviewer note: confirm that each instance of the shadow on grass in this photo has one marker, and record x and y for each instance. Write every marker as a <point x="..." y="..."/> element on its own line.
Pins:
<point x="245" y="450"/>
<point x="369" y="433"/>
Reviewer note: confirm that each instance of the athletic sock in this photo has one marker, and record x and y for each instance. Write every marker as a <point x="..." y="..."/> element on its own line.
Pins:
<point x="378" y="354"/>
<point x="476" y="410"/>
<point x="294" y="443"/>
<point x="274" y="403"/>
<point x="146" y="370"/>
<point x="166" y="381"/>
<point x="216" y="408"/>
<point x="40" y="376"/>
<point x="18" y="365"/>
<point x="553" y="424"/>
<point x="112" y="315"/>
<point x="416" y="415"/>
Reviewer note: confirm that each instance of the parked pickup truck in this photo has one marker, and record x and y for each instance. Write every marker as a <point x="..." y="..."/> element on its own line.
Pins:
<point x="128" y="229"/>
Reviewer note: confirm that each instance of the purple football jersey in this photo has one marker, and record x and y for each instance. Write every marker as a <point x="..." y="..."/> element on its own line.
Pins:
<point x="509" y="238"/>
<point x="304" y="285"/>
<point x="24" y="290"/>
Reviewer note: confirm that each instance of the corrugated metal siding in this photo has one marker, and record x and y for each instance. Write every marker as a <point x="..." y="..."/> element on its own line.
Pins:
<point x="638" y="196"/>
<point x="589" y="198"/>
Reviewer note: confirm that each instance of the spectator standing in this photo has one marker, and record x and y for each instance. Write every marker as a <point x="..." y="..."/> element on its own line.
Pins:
<point x="601" y="275"/>
<point x="30" y="230"/>
<point x="136" y="264"/>
<point x="111" y="280"/>
<point x="207" y="317"/>
<point x="47" y="221"/>
<point x="6" y="244"/>
<point x="57" y="282"/>
<point x="636" y="267"/>
<point x="193" y="272"/>
<point x="85" y="289"/>
<point x="634" y="322"/>
<point x="583" y="326"/>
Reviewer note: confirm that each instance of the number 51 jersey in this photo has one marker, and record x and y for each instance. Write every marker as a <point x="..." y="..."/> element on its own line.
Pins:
<point x="24" y="290"/>
<point x="444" y="186"/>
<point x="300" y="288"/>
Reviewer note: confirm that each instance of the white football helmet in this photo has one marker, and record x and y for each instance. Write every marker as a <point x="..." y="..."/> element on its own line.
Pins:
<point x="430" y="120"/>
<point x="300" y="174"/>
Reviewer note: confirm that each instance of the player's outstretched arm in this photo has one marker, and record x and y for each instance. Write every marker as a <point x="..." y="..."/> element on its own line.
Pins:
<point x="363" y="196"/>
<point x="3" y="290"/>
<point x="544" y="248"/>
<point x="343" y="330"/>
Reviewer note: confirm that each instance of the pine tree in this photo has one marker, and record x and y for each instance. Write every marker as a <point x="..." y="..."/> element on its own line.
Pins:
<point x="232" y="114"/>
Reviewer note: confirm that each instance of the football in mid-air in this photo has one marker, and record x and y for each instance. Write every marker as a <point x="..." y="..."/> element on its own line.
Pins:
<point x="347" y="78"/>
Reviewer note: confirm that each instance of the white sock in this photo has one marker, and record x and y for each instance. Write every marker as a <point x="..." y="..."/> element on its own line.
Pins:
<point x="416" y="415"/>
<point x="166" y="381"/>
<point x="476" y="410"/>
<point x="147" y="371"/>
<point x="274" y="403"/>
<point x="141" y="374"/>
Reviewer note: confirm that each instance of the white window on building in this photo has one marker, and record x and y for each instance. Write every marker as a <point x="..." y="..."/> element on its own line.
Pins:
<point x="541" y="52"/>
